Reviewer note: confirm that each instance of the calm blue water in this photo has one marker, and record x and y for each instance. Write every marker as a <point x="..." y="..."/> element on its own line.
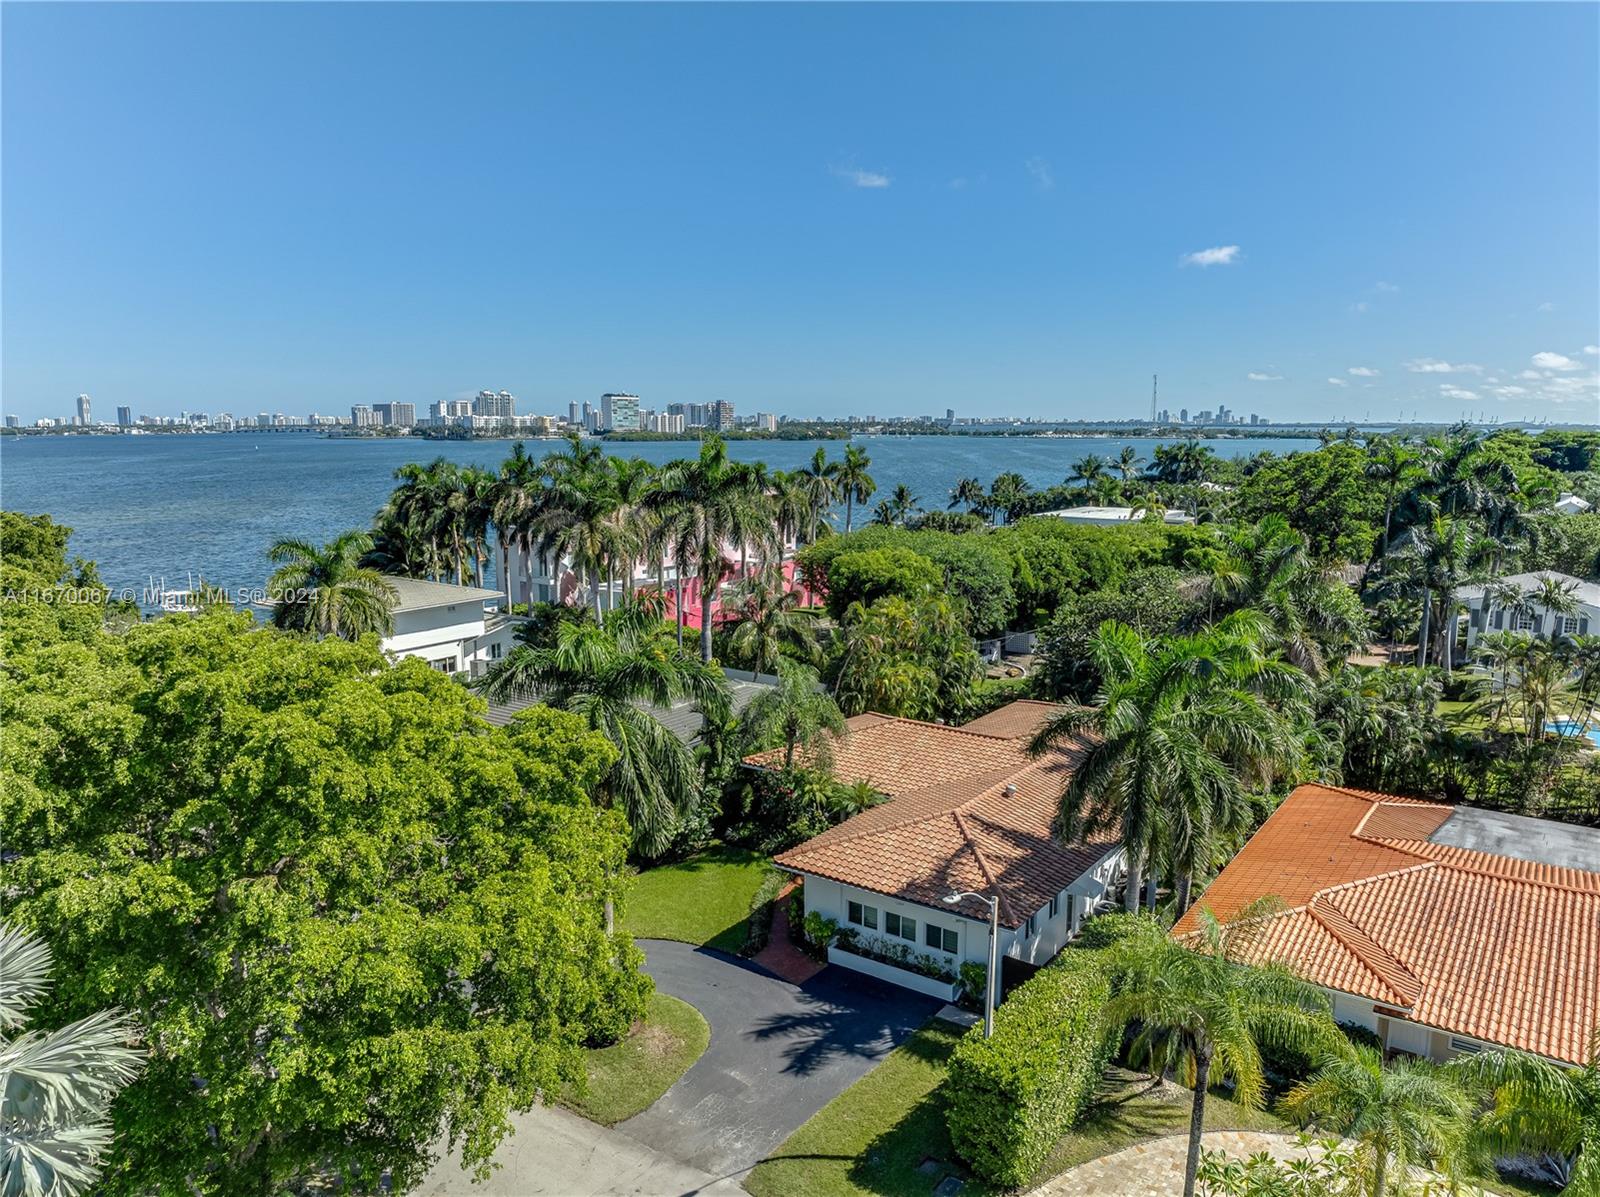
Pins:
<point x="1571" y="727"/>
<point x="165" y="507"/>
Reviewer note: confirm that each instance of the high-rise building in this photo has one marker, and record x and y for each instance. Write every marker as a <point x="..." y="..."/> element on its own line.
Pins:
<point x="124" y="417"/>
<point x="83" y="410"/>
<point x="619" y="412"/>
<point x="496" y="405"/>
<point x="574" y="415"/>
<point x="719" y="415"/>
<point x="362" y="416"/>
<point x="403" y="415"/>
<point x="766" y="421"/>
<point x="1183" y="415"/>
<point x="13" y="422"/>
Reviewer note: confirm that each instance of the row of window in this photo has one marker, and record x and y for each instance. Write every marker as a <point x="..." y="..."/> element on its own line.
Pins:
<point x="899" y="926"/>
<point x="1527" y="621"/>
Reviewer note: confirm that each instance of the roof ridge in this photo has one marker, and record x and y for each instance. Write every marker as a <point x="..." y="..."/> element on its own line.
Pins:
<point x="1379" y="960"/>
<point x="910" y="817"/>
<point x="955" y="727"/>
<point x="1525" y="872"/>
<point x="983" y="863"/>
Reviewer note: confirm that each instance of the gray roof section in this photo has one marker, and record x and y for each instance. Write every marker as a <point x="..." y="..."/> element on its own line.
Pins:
<point x="416" y="594"/>
<point x="680" y="718"/>
<point x="1584" y="592"/>
<point x="1522" y="838"/>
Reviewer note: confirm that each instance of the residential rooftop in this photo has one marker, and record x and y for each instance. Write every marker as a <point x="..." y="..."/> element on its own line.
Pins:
<point x="1422" y="908"/>
<point x="418" y="594"/>
<point x="968" y="810"/>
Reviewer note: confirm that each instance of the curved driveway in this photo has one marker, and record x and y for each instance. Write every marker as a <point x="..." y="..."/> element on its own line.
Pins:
<point x="778" y="1052"/>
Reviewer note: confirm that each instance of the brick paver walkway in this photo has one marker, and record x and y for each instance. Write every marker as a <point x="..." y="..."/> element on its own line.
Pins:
<point x="780" y="956"/>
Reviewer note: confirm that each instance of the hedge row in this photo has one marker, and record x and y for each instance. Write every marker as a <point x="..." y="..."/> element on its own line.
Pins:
<point x="1010" y="1098"/>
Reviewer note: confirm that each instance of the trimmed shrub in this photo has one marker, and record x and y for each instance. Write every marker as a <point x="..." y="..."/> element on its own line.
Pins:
<point x="758" y="927"/>
<point x="1010" y="1098"/>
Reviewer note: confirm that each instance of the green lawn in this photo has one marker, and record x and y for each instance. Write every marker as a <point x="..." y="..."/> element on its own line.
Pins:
<point x="873" y="1139"/>
<point x="627" y="1077"/>
<point x="703" y="900"/>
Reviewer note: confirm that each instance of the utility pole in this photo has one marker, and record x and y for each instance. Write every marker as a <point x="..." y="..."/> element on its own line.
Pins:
<point x="1154" y="378"/>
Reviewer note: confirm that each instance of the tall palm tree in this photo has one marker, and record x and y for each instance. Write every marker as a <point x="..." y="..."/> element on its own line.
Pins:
<point x="1212" y="1015"/>
<point x="708" y="503"/>
<point x="791" y="510"/>
<point x="903" y="502"/>
<point x="326" y="590"/>
<point x="1390" y="463"/>
<point x="1537" y="1106"/>
<point x="1438" y="555"/>
<point x="634" y="480"/>
<point x="819" y="481"/>
<point x="511" y="504"/>
<point x="476" y="487"/>
<point x="576" y="521"/>
<point x="769" y="620"/>
<point x="618" y="677"/>
<point x="794" y="712"/>
<point x="1006" y="493"/>
<point x="1409" y="1113"/>
<point x="58" y="1085"/>
<point x="969" y="491"/>
<point x="853" y="480"/>
<point x="1087" y="470"/>
<point x="1182" y="731"/>
<point x="1127" y="463"/>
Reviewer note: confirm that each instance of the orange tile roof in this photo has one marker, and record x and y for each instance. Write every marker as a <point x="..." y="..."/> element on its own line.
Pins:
<point x="968" y="810"/>
<point x="1494" y="948"/>
<point x="1017" y="719"/>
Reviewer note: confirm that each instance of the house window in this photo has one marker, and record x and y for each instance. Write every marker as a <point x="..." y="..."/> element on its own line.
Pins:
<point x="494" y="651"/>
<point x="1029" y="927"/>
<point x="943" y="938"/>
<point x="1055" y="906"/>
<point x="1524" y="621"/>
<point x="899" y="926"/>
<point x="1465" y="1046"/>
<point x="1072" y="911"/>
<point x="444" y="665"/>
<point x="1569" y="625"/>
<point x="863" y="916"/>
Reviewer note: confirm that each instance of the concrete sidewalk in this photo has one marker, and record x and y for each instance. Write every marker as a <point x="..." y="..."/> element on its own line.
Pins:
<point x="552" y="1152"/>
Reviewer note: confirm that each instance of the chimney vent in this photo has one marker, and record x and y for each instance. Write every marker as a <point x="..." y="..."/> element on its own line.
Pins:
<point x="1011" y="789"/>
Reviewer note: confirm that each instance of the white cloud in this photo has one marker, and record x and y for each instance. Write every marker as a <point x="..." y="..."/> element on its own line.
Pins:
<point x="1363" y="371"/>
<point x="1039" y="168"/>
<point x="1510" y="392"/>
<point x="1388" y="288"/>
<point x="1432" y="365"/>
<point x="1337" y="382"/>
<point x="1451" y="391"/>
<point x="1592" y="350"/>
<point x="1360" y="308"/>
<point x="862" y="178"/>
<point x="1217" y="255"/>
<point x="1255" y="376"/>
<point x="1530" y="375"/>
<point x="1546" y="306"/>
<point x="1554" y="361"/>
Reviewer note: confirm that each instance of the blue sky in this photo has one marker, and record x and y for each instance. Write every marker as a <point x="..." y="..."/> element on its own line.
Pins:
<point x="811" y="209"/>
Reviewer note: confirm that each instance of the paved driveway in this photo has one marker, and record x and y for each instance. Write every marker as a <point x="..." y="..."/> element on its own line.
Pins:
<point x="778" y="1053"/>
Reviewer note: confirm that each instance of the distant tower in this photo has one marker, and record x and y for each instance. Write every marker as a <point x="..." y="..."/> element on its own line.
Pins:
<point x="83" y="410"/>
<point x="1154" y="378"/>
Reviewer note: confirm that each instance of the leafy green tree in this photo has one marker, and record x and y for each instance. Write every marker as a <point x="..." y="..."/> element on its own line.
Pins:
<point x="57" y="1085"/>
<point x="1325" y="496"/>
<point x="854" y="483"/>
<point x="1181" y="731"/>
<point x="325" y="590"/>
<point x="794" y="712"/>
<point x="905" y="657"/>
<point x="354" y="921"/>
<point x="867" y="576"/>
<point x="617" y="677"/>
<point x="768" y="621"/>
<point x="1210" y="1016"/>
<point x="1404" y="1114"/>
<point x="1151" y="601"/>
<point x="1536" y="1106"/>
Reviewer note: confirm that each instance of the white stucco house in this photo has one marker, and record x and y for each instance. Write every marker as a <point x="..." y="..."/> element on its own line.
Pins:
<point x="1441" y="929"/>
<point x="451" y="627"/>
<point x="967" y="811"/>
<point x="1487" y="611"/>
<point x="1108" y="516"/>
<point x="1572" y="505"/>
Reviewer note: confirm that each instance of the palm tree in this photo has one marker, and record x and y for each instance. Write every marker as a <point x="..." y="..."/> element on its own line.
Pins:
<point x="970" y="492"/>
<point x="1390" y="462"/>
<point x="1087" y="471"/>
<point x="819" y="482"/>
<point x="1438" y="555"/>
<point x="617" y="677"/>
<point x="57" y="1085"/>
<point x="576" y="520"/>
<point x="1211" y="1015"/>
<point x="477" y="489"/>
<point x="1006" y="493"/>
<point x="769" y="619"/>
<point x="327" y="591"/>
<point x="511" y="503"/>
<point x="855" y="484"/>
<point x="707" y="503"/>
<point x="903" y="503"/>
<point x="1542" y="1107"/>
<point x="796" y="711"/>
<point x="1407" y="1114"/>
<point x="1127" y="463"/>
<point x="1180" y="728"/>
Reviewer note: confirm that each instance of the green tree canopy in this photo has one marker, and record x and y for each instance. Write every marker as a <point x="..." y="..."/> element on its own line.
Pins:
<point x="867" y="576"/>
<point x="351" y="917"/>
<point x="1325" y="495"/>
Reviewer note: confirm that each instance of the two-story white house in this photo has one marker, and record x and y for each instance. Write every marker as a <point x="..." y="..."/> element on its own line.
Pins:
<point x="450" y="627"/>
<point x="967" y="812"/>
<point x="1489" y="611"/>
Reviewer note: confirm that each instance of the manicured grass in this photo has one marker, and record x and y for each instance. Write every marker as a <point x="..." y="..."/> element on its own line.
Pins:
<point x="703" y="900"/>
<point x="627" y="1077"/>
<point x="870" y="1139"/>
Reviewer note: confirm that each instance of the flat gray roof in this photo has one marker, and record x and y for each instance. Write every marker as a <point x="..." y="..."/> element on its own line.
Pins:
<point x="416" y="594"/>
<point x="1522" y="838"/>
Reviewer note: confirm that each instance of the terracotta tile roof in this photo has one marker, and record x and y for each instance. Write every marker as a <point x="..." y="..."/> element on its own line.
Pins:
<point x="1015" y="720"/>
<point x="1494" y="948"/>
<point x="968" y="810"/>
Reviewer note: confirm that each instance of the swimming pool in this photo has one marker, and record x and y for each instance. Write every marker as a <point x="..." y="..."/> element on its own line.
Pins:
<point x="1571" y="727"/>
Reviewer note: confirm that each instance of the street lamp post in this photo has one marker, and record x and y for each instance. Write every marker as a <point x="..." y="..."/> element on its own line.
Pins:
<point x="989" y="981"/>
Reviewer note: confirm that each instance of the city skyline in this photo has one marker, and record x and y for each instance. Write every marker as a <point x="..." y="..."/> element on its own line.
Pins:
<point x="1028" y="211"/>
